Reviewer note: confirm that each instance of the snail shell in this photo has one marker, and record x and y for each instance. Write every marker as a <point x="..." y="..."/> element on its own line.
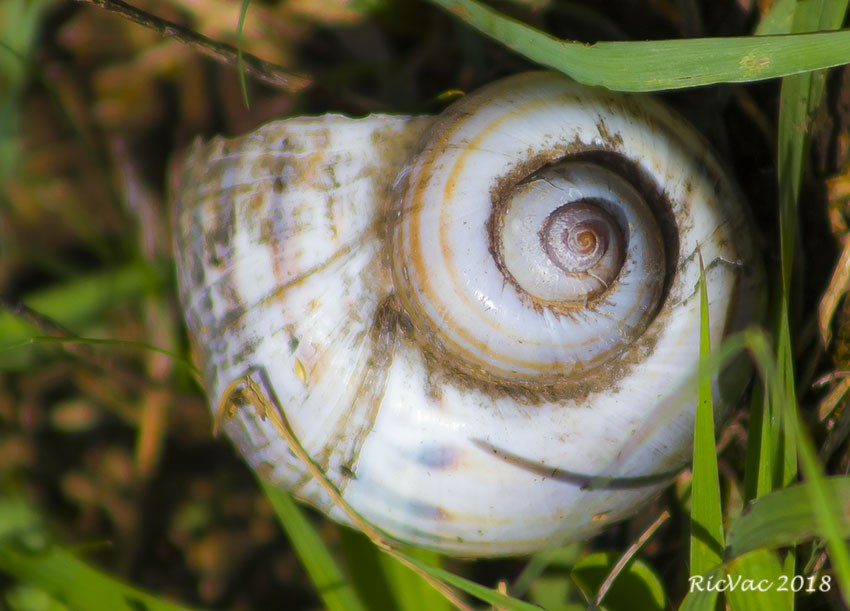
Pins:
<point x="483" y="326"/>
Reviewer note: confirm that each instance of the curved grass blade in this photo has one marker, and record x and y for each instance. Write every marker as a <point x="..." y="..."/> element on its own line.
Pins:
<point x="662" y="64"/>
<point x="828" y="512"/>
<point x="497" y="599"/>
<point x="786" y="517"/>
<point x="179" y="360"/>
<point x="78" y="302"/>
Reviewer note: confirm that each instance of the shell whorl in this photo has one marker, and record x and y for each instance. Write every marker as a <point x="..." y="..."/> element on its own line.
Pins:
<point x="407" y="295"/>
<point x="483" y="209"/>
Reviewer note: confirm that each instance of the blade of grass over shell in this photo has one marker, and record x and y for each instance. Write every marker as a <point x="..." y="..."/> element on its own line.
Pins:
<point x="706" y="511"/>
<point x="662" y="64"/>
<point x="251" y="386"/>
<point x="28" y="554"/>
<point x="333" y="587"/>
<point x="707" y="527"/>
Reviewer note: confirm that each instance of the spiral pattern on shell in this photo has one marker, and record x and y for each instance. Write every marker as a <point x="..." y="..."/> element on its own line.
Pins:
<point x="467" y="319"/>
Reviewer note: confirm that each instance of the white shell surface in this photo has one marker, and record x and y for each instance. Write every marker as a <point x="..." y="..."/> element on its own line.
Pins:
<point x="283" y="264"/>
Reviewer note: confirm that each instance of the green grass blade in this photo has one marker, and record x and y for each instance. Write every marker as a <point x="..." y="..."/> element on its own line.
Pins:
<point x="799" y="98"/>
<point x="771" y="462"/>
<point x="750" y="583"/>
<point x="773" y="431"/>
<point x="636" y="586"/>
<point x="764" y="566"/>
<point x="758" y="462"/>
<point x="77" y="303"/>
<point x="384" y="583"/>
<point x="23" y="597"/>
<point x="19" y="27"/>
<point x="559" y="557"/>
<point x="28" y="554"/>
<point x="756" y="583"/>
<point x="663" y="64"/>
<point x="699" y="599"/>
<point x="778" y="19"/>
<point x="492" y="597"/>
<point x="240" y="60"/>
<point x="706" y="512"/>
<point x="333" y="587"/>
<point x="785" y="438"/>
<point x="410" y="591"/>
<point x="832" y="525"/>
<point x="768" y="463"/>
<point x="787" y="517"/>
<point x="364" y="570"/>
